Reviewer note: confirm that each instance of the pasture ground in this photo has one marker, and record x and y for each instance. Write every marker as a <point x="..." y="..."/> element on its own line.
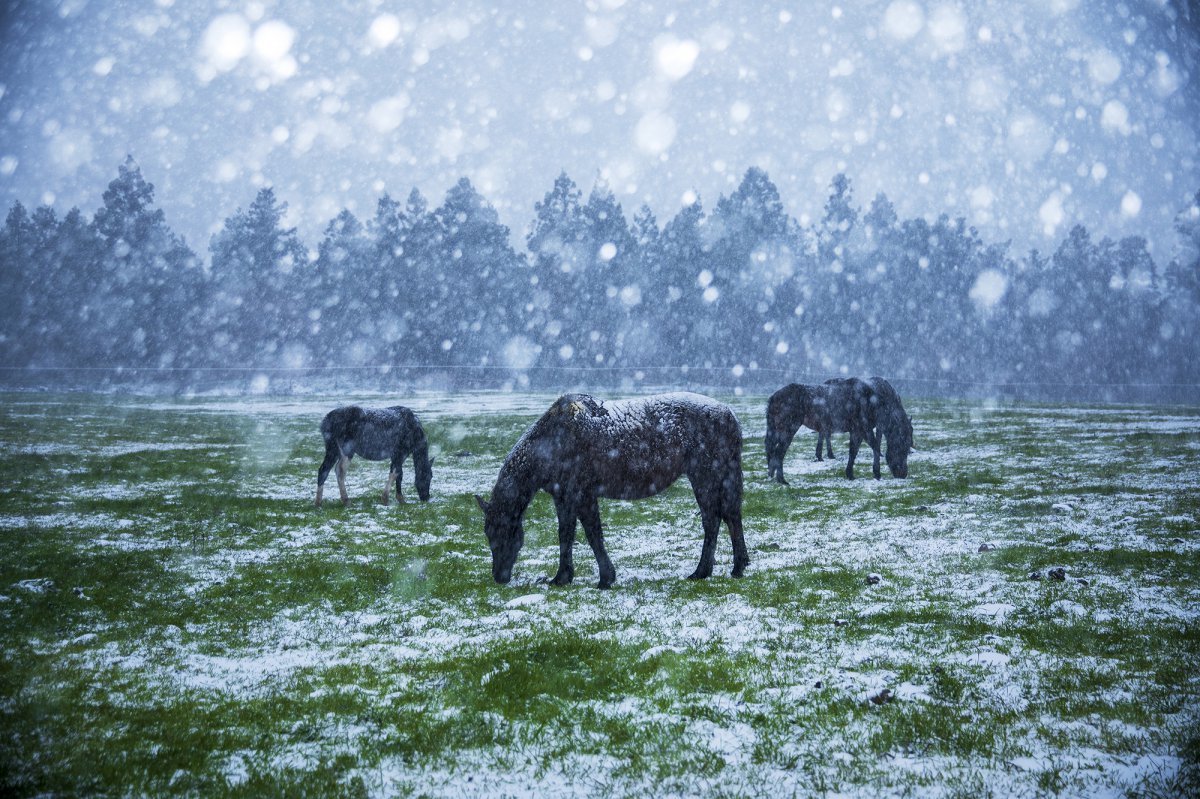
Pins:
<point x="177" y="619"/>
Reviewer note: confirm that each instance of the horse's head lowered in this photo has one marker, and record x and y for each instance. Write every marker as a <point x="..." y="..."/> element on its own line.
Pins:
<point x="898" y="447"/>
<point x="504" y="531"/>
<point x="423" y="464"/>
<point x="785" y="412"/>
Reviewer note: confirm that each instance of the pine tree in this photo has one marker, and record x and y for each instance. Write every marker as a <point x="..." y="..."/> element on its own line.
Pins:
<point x="480" y="285"/>
<point x="751" y="259"/>
<point x="608" y="289"/>
<point x="258" y="266"/>
<point x="419" y="272"/>
<point x="345" y="300"/>
<point x="1181" y="306"/>
<point x="685" y="322"/>
<point x="17" y="245"/>
<point x="146" y="283"/>
<point x="559" y="259"/>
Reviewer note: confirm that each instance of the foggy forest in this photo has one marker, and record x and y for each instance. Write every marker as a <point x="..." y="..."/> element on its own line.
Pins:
<point x="740" y="288"/>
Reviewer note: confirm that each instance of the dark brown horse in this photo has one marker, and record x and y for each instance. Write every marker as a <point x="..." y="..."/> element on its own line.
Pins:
<point x="377" y="434"/>
<point x="841" y="405"/>
<point x="581" y="450"/>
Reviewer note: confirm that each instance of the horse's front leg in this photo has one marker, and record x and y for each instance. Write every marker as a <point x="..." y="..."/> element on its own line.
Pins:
<point x="343" y="462"/>
<point x="829" y="445"/>
<point x="855" y="440"/>
<point x="566" y="542"/>
<point x="589" y="514"/>
<point x="873" y="440"/>
<point x="820" y="438"/>
<point x="395" y="475"/>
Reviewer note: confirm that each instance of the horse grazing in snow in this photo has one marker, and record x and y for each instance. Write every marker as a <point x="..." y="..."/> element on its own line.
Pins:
<point x="377" y="434"/>
<point x="840" y="405"/>
<point x="581" y="450"/>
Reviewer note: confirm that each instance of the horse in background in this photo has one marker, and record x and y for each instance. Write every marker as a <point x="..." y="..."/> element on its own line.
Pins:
<point x="581" y="450"/>
<point x="376" y="434"/>
<point x="840" y="405"/>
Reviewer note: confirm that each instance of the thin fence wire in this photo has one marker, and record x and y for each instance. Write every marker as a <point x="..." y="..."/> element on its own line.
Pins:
<point x="308" y="379"/>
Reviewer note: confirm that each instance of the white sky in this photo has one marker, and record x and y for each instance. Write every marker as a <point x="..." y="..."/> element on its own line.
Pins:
<point x="1023" y="117"/>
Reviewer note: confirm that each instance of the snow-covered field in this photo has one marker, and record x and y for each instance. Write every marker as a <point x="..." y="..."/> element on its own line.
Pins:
<point x="178" y="618"/>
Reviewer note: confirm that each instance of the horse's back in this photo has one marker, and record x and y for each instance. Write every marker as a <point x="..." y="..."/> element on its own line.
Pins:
<point x="634" y="448"/>
<point x="849" y="403"/>
<point x="372" y="433"/>
<point x="681" y="419"/>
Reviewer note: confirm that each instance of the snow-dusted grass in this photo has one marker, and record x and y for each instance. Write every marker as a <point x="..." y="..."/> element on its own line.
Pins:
<point x="176" y="617"/>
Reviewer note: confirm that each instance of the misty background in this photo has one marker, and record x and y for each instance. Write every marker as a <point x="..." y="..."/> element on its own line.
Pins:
<point x="970" y="197"/>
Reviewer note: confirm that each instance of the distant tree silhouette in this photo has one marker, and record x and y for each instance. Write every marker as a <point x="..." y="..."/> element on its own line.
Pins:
<point x="258" y="267"/>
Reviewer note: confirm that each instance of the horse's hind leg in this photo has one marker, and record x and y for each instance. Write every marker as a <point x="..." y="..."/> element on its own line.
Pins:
<point x="829" y="445"/>
<point x="731" y="514"/>
<point x="709" y="499"/>
<point x="590" y="516"/>
<point x="855" y="440"/>
<point x="820" y="438"/>
<point x="331" y="457"/>
<point x="873" y="440"/>
<point x="741" y="558"/>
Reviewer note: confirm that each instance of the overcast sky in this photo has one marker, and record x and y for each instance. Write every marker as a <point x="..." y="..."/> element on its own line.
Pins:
<point x="1023" y="117"/>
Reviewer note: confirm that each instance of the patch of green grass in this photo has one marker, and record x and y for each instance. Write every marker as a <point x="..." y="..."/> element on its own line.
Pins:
<point x="367" y="646"/>
<point x="926" y="728"/>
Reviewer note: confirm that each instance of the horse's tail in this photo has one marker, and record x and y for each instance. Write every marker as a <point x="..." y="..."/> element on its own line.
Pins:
<point x="730" y="496"/>
<point x="327" y="426"/>
<point x="337" y="422"/>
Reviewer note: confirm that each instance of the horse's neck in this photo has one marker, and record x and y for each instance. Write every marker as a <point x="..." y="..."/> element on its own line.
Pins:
<point x="519" y="479"/>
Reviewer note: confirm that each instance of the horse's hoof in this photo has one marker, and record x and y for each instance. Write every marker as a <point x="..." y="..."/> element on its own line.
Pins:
<point x="561" y="579"/>
<point x="699" y="575"/>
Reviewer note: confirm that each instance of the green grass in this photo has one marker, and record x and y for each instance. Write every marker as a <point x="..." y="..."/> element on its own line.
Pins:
<point x="176" y="618"/>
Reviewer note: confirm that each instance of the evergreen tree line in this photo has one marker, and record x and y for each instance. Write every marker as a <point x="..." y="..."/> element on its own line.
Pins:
<point x="743" y="289"/>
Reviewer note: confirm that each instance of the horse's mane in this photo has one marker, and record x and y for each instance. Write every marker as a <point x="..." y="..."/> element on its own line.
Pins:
<point x="572" y="405"/>
<point x="794" y="399"/>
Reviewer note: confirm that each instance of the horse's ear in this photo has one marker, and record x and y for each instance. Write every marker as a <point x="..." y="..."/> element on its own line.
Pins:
<point x="483" y="505"/>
